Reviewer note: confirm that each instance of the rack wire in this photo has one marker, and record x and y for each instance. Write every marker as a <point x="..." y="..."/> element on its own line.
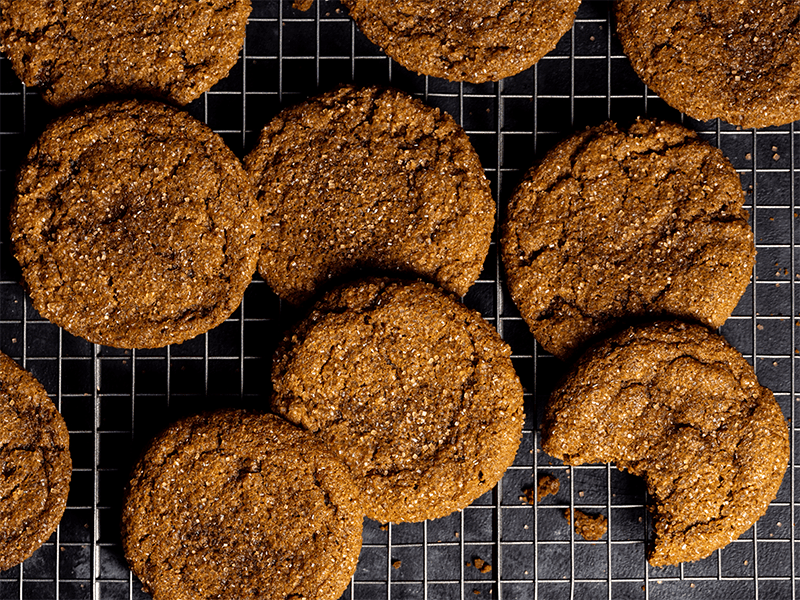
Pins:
<point x="114" y="401"/>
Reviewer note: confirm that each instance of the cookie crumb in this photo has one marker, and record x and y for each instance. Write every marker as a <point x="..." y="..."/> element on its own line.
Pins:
<point x="588" y="527"/>
<point x="397" y="564"/>
<point x="547" y="486"/>
<point x="481" y="565"/>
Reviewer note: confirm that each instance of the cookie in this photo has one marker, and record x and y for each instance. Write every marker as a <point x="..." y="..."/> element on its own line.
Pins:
<point x="36" y="465"/>
<point x="369" y="179"/>
<point x="675" y="404"/>
<point x="618" y="223"/>
<point x="73" y="50"/>
<point x="135" y="226"/>
<point x="234" y="504"/>
<point x="737" y="61"/>
<point x="414" y="391"/>
<point x="465" y="40"/>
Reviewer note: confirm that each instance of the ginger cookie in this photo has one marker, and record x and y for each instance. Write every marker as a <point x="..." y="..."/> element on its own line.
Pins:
<point x="37" y="468"/>
<point x="465" y="40"/>
<point x="239" y="505"/>
<point x="369" y="179"/>
<point x="412" y="390"/>
<point x="738" y="61"/>
<point x="135" y="225"/>
<point x="622" y="223"/>
<point x="675" y="404"/>
<point x="74" y="50"/>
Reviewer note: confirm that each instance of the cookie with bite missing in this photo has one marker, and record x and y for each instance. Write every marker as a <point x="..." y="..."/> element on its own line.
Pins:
<point x="675" y="404"/>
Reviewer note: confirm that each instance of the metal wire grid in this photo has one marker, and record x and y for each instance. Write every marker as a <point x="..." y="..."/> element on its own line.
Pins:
<point x="114" y="401"/>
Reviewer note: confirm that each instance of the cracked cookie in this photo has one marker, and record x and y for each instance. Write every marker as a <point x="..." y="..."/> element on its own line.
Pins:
<point x="675" y="404"/>
<point x="738" y="61"/>
<point x="465" y="40"/>
<point x="135" y="225"/>
<point x="74" y="50"/>
<point x="36" y="464"/>
<point x="239" y="505"/>
<point x="414" y="391"/>
<point x="369" y="179"/>
<point x="622" y="223"/>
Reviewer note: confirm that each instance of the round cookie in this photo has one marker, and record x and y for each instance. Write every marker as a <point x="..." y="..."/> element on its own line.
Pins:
<point x="465" y="40"/>
<point x="369" y="178"/>
<point x="239" y="505"/>
<point x="739" y="61"/>
<point x="621" y="223"/>
<point x="675" y="404"/>
<point x="74" y="50"/>
<point x="135" y="225"/>
<point x="414" y="391"/>
<point x="34" y="452"/>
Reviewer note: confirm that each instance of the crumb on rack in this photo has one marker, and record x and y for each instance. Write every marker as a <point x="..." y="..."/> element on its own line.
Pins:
<point x="547" y="486"/>
<point x="481" y="565"/>
<point x="588" y="527"/>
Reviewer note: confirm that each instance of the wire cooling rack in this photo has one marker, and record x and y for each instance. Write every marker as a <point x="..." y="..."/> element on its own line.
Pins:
<point x="114" y="401"/>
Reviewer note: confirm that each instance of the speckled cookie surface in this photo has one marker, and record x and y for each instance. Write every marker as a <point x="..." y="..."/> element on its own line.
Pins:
<point x="36" y="464"/>
<point x="677" y="405"/>
<point x="74" y="50"/>
<point x="465" y="40"/>
<point x="238" y="505"/>
<point x="736" y="60"/>
<point x="369" y="178"/>
<point x="619" y="223"/>
<point x="415" y="392"/>
<point x="135" y="225"/>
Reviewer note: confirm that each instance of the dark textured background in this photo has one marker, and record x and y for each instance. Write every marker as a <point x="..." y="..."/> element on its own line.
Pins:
<point x="114" y="400"/>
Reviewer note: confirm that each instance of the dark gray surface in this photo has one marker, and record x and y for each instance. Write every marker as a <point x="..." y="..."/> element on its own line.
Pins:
<point x="114" y="401"/>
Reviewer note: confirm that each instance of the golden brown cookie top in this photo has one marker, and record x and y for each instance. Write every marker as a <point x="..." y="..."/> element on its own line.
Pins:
<point x="233" y="504"/>
<point x="135" y="225"/>
<point x="675" y="404"/>
<point x="36" y="464"/>
<point x="465" y="40"/>
<point x="618" y="223"/>
<point x="736" y="60"/>
<point x="415" y="392"/>
<point x="365" y="179"/>
<point x="74" y="50"/>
